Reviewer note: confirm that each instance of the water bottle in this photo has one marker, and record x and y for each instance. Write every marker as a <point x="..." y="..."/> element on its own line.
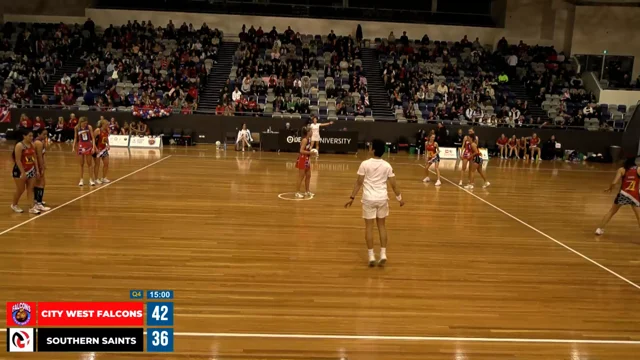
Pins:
<point x="225" y="146"/>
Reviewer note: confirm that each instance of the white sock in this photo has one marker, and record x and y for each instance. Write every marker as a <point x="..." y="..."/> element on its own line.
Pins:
<point x="383" y="252"/>
<point x="370" y="251"/>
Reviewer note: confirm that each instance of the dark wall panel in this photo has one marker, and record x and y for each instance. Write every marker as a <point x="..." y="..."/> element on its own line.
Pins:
<point x="214" y="128"/>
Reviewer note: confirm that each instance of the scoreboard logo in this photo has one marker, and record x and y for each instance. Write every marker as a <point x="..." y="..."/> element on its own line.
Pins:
<point x="20" y="340"/>
<point x="19" y="314"/>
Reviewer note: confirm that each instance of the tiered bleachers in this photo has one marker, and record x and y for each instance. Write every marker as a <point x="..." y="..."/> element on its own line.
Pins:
<point x="294" y="75"/>
<point x="148" y="70"/>
<point x="30" y="54"/>
<point x="453" y="82"/>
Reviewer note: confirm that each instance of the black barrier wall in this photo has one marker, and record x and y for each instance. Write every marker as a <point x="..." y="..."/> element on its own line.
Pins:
<point x="217" y="128"/>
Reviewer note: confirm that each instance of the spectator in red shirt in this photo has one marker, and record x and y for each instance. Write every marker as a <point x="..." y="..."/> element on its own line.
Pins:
<point x="25" y="122"/>
<point x="220" y="109"/>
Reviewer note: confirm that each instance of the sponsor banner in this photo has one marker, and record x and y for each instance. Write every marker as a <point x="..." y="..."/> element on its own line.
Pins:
<point x="21" y="340"/>
<point x="21" y="314"/>
<point x="331" y="141"/>
<point x="448" y="153"/>
<point x="119" y="140"/>
<point x="90" y="340"/>
<point x="90" y="314"/>
<point x="152" y="142"/>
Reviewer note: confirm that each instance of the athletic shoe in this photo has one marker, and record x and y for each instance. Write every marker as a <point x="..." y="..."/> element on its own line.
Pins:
<point x="486" y="185"/>
<point x="599" y="231"/>
<point x="98" y="181"/>
<point x="383" y="260"/>
<point x="372" y="261"/>
<point x="309" y="193"/>
<point x="105" y="181"/>
<point x="42" y="207"/>
<point x="427" y="179"/>
<point x="299" y="195"/>
<point x="469" y="187"/>
<point x="460" y="183"/>
<point x="81" y="183"/>
<point x="91" y="182"/>
<point x="33" y="210"/>
<point x="17" y="209"/>
<point x="438" y="183"/>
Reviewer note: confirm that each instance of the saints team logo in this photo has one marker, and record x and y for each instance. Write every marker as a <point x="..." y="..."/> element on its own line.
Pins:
<point x="152" y="141"/>
<point x="21" y="313"/>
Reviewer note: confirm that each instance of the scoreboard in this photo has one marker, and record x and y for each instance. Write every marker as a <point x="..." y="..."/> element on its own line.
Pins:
<point x="93" y="326"/>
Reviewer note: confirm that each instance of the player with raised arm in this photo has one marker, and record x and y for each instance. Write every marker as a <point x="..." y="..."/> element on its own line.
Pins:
<point x="373" y="175"/>
<point x="315" y="133"/>
<point x="629" y="193"/>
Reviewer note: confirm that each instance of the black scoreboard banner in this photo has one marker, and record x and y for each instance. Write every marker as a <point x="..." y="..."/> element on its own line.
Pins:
<point x="90" y="339"/>
<point x="332" y="141"/>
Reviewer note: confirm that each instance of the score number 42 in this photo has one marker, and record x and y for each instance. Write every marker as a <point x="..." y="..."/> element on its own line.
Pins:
<point x="160" y="314"/>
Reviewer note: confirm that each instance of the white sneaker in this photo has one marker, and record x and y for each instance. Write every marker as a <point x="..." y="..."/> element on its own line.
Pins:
<point x="372" y="261"/>
<point x="486" y="185"/>
<point x="81" y="183"/>
<point x="17" y="209"/>
<point x="299" y="195"/>
<point x="33" y="210"/>
<point x="438" y="183"/>
<point x="427" y="179"/>
<point x="309" y="193"/>
<point x="383" y="260"/>
<point x="42" y="207"/>
<point x="98" y="181"/>
<point x="460" y="183"/>
<point x="105" y="181"/>
<point x="469" y="187"/>
<point x="599" y="231"/>
<point x="91" y="182"/>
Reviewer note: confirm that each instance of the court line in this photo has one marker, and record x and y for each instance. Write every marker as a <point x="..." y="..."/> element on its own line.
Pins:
<point x="399" y="338"/>
<point x="397" y="163"/>
<point x="541" y="232"/>
<point x="81" y="196"/>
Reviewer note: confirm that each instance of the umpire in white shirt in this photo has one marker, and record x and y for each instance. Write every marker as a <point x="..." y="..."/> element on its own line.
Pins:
<point x="373" y="175"/>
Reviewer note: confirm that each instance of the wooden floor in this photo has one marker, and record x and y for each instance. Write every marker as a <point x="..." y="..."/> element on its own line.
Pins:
<point x="510" y="272"/>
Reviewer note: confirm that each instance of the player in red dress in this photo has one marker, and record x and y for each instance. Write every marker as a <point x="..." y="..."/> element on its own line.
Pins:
<point x="476" y="165"/>
<point x="465" y="155"/>
<point x="502" y="146"/>
<point x="101" y="134"/>
<point x="40" y="143"/>
<point x="303" y="164"/>
<point x="85" y="140"/>
<point x="534" y="146"/>
<point x="513" y="147"/>
<point x="629" y="193"/>
<point x="432" y="155"/>
<point x="25" y="170"/>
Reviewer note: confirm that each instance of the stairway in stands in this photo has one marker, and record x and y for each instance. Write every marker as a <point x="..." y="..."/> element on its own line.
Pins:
<point x="69" y="67"/>
<point x="217" y="77"/>
<point x="378" y="96"/>
<point x="520" y="91"/>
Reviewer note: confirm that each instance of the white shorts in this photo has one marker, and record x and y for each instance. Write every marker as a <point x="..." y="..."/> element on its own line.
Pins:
<point x="315" y="138"/>
<point x="372" y="209"/>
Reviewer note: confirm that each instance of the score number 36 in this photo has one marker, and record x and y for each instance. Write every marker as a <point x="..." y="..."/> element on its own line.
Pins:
<point x="160" y="338"/>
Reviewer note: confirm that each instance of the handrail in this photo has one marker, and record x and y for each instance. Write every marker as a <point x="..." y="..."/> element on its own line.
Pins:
<point x="380" y="119"/>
